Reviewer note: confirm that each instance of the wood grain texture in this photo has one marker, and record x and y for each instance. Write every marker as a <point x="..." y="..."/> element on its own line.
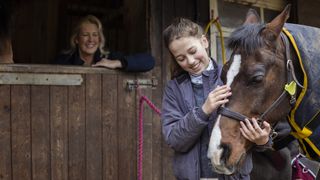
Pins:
<point x="40" y="132"/>
<point x="21" y="129"/>
<point x="59" y="132"/>
<point x="93" y="127"/>
<point x="110" y="142"/>
<point x="5" y="133"/>
<point x="77" y="133"/>
<point x="127" y="130"/>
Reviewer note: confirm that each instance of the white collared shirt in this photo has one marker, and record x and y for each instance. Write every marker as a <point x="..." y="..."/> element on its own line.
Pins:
<point x="197" y="79"/>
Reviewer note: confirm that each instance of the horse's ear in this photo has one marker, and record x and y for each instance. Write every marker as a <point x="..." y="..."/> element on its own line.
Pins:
<point x="277" y="23"/>
<point x="252" y="17"/>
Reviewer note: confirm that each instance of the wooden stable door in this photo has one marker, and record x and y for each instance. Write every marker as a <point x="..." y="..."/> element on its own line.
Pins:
<point x="59" y="122"/>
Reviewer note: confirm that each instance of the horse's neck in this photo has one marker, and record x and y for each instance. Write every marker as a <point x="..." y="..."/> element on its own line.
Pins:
<point x="6" y="55"/>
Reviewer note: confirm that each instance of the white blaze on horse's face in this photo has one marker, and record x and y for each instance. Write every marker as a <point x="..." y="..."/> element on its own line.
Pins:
<point x="214" y="150"/>
<point x="234" y="69"/>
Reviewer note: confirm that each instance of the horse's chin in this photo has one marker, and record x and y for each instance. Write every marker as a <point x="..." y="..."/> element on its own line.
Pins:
<point x="223" y="168"/>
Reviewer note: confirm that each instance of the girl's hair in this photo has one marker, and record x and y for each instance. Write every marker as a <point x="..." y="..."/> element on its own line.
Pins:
<point x="179" y="28"/>
<point x="76" y="31"/>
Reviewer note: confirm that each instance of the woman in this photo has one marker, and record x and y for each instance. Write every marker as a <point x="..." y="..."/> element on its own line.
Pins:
<point x="190" y="102"/>
<point x="87" y="48"/>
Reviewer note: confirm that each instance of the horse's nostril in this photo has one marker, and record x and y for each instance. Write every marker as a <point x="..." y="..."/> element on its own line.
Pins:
<point x="226" y="151"/>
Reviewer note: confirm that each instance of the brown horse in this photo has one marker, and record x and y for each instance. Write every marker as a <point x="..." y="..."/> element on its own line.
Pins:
<point x="257" y="72"/>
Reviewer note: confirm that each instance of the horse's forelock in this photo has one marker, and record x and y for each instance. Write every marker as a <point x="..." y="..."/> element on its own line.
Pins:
<point x="247" y="38"/>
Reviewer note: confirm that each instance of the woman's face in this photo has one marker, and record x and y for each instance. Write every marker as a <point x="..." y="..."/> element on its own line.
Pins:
<point x="88" y="39"/>
<point x="190" y="53"/>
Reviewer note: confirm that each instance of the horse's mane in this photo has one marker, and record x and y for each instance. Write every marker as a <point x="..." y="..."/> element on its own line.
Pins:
<point x="246" y="38"/>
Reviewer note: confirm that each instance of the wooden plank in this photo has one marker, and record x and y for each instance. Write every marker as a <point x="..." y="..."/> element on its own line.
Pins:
<point x="24" y="19"/>
<point x="147" y="133"/>
<point x="308" y="13"/>
<point x="168" y="13"/>
<point x="185" y="8"/>
<point x="40" y="121"/>
<point x="20" y="129"/>
<point x="270" y="4"/>
<point x="59" y="132"/>
<point x="68" y="69"/>
<point x="40" y="79"/>
<point x="110" y="127"/>
<point x="157" y="137"/>
<point x="156" y="28"/>
<point x="127" y="133"/>
<point x="76" y="130"/>
<point x="203" y="12"/>
<point x="52" y="12"/>
<point x="136" y="9"/>
<point x="5" y="132"/>
<point x="38" y="12"/>
<point x="93" y="127"/>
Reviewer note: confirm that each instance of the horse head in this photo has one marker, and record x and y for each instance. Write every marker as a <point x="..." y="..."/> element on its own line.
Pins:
<point x="256" y="73"/>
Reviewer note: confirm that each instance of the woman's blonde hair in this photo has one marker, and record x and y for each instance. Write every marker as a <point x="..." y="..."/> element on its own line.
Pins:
<point x="180" y="27"/>
<point x="76" y="31"/>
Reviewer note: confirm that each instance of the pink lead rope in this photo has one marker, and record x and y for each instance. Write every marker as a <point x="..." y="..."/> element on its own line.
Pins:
<point x="140" y="130"/>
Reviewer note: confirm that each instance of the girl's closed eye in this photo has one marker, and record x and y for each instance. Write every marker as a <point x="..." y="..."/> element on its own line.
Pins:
<point x="192" y="50"/>
<point x="180" y="58"/>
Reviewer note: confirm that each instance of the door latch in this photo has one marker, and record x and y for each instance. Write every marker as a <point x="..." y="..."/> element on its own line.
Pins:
<point x="141" y="83"/>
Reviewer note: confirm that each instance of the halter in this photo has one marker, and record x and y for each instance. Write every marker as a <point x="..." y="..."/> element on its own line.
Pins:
<point x="289" y="89"/>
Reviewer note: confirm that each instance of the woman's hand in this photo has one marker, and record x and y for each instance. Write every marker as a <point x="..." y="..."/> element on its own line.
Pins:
<point x="112" y="64"/>
<point x="253" y="132"/>
<point x="216" y="98"/>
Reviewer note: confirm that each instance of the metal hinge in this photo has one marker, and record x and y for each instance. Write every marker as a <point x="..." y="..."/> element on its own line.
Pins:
<point x="142" y="83"/>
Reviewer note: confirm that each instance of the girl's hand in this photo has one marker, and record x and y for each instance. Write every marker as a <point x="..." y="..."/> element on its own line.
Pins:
<point x="253" y="132"/>
<point x="112" y="64"/>
<point x="216" y="98"/>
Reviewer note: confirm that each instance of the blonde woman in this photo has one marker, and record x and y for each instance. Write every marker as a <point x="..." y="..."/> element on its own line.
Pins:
<point x="87" y="49"/>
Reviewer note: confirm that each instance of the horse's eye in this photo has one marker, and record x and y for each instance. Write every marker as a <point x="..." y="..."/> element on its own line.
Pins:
<point x="256" y="79"/>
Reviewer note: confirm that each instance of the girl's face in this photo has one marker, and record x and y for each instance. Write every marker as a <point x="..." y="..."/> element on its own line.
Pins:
<point x="88" y="39"/>
<point x="190" y="53"/>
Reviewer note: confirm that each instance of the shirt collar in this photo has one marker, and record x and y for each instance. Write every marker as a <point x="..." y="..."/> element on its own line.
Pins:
<point x="197" y="79"/>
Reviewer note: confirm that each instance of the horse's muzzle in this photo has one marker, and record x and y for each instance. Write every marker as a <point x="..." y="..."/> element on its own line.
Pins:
<point x="221" y="166"/>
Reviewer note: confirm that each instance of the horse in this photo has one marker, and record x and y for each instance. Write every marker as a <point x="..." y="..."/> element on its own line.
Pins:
<point x="266" y="78"/>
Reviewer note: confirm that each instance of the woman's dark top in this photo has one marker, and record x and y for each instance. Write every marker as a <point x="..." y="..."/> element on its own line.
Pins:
<point x="140" y="62"/>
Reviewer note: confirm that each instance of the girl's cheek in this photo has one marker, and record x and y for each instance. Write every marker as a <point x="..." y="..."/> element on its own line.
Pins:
<point x="199" y="56"/>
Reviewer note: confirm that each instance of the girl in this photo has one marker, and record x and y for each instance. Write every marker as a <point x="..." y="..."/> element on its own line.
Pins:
<point x="190" y="102"/>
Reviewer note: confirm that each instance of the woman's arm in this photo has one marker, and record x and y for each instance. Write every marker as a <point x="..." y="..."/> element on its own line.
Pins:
<point x="134" y="63"/>
<point x="107" y="63"/>
<point x="141" y="62"/>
